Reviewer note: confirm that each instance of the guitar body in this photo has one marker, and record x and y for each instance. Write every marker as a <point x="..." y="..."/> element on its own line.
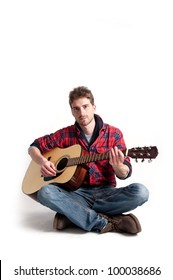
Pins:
<point x="70" y="177"/>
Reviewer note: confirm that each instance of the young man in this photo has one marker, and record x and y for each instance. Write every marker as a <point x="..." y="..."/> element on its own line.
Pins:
<point x="97" y="205"/>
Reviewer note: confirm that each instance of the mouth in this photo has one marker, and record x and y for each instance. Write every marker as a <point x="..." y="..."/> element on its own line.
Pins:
<point x="82" y="118"/>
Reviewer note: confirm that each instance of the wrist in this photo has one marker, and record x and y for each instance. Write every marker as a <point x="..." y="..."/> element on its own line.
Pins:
<point x="43" y="160"/>
<point x="121" y="170"/>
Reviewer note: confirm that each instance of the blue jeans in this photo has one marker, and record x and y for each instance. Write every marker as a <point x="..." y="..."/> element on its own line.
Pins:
<point x="83" y="205"/>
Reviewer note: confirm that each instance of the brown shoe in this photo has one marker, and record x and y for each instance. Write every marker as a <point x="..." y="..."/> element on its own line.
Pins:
<point x="61" y="222"/>
<point x="122" y="223"/>
<point x="108" y="227"/>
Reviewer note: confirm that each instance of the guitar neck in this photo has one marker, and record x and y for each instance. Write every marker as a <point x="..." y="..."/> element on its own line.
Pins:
<point x="136" y="153"/>
<point x="89" y="158"/>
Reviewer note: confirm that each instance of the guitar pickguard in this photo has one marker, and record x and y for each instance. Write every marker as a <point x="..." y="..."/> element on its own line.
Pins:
<point x="46" y="179"/>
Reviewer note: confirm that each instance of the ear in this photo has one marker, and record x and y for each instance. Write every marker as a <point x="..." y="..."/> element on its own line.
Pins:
<point x="94" y="107"/>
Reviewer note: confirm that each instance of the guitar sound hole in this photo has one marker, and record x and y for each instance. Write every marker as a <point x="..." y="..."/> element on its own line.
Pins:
<point x="60" y="167"/>
<point x="62" y="164"/>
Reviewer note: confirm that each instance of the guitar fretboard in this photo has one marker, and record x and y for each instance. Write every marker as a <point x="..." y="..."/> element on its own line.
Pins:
<point x="88" y="158"/>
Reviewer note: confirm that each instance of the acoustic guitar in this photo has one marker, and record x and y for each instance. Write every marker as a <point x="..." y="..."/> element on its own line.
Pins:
<point x="71" y="166"/>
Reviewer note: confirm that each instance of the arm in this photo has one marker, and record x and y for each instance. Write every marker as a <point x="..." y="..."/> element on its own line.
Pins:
<point x="47" y="168"/>
<point x="116" y="159"/>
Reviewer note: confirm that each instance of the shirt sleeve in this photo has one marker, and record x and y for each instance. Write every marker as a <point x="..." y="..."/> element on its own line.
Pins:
<point x="47" y="142"/>
<point x="120" y="143"/>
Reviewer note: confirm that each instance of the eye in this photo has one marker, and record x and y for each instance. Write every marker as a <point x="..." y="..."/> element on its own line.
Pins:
<point x="75" y="109"/>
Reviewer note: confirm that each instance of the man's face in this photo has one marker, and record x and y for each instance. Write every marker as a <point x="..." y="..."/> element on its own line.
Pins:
<point x="83" y="111"/>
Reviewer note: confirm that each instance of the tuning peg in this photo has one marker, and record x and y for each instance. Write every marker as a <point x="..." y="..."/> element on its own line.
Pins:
<point x="136" y="160"/>
<point x="149" y="160"/>
<point x="142" y="160"/>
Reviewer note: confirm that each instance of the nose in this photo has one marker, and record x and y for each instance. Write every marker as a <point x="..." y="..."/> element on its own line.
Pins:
<point x="82" y="111"/>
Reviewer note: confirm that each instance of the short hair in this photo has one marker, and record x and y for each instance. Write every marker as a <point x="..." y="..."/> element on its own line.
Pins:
<point x="79" y="92"/>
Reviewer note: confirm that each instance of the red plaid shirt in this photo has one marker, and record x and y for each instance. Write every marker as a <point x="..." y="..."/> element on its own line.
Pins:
<point x="106" y="137"/>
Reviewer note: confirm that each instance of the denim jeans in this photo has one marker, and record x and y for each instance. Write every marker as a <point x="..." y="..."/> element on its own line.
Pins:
<point x="83" y="205"/>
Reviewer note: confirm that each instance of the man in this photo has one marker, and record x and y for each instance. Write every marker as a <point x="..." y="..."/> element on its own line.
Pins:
<point x="97" y="205"/>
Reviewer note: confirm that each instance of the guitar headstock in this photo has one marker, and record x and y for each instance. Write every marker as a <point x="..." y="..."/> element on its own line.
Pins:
<point x="150" y="153"/>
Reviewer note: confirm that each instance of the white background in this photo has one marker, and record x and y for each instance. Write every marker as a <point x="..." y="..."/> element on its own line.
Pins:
<point x="122" y="51"/>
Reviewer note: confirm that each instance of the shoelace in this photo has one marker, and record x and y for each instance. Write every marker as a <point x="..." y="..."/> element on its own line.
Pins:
<point x="115" y="225"/>
<point x="113" y="222"/>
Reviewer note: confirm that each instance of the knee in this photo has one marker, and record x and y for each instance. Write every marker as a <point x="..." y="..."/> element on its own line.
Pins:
<point x="44" y="194"/>
<point x="141" y="192"/>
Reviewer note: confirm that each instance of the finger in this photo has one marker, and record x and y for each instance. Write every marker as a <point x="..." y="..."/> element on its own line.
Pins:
<point x="121" y="155"/>
<point x="116" y="150"/>
<point x="48" y="171"/>
<point x="112" y="154"/>
<point x="113" y="157"/>
<point x="51" y="171"/>
<point x="53" y="167"/>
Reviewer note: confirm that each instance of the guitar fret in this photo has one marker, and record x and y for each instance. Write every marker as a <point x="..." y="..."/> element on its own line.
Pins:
<point x="82" y="160"/>
<point x="78" y="161"/>
<point x="93" y="157"/>
<point x="87" y="159"/>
